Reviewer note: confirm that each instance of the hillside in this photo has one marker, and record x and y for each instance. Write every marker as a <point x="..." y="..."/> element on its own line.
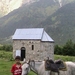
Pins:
<point x="61" y="24"/>
<point x="44" y="13"/>
<point x="26" y="16"/>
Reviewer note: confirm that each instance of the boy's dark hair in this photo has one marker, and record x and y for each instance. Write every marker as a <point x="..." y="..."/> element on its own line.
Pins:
<point x="18" y="57"/>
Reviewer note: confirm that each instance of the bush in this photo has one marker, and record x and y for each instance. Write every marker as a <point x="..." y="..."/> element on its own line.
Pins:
<point x="6" y="55"/>
<point x="7" y="47"/>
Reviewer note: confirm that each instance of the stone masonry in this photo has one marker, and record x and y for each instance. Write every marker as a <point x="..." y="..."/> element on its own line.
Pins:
<point x="40" y="52"/>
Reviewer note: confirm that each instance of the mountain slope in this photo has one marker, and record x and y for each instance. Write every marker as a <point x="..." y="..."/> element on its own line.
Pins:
<point x="61" y="24"/>
<point x="7" y="6"/>
<point x="26" y="16"/>
<point x="34" y="15"/>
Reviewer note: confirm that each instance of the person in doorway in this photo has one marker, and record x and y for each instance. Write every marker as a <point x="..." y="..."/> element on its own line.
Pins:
<point x="16" y="68"/>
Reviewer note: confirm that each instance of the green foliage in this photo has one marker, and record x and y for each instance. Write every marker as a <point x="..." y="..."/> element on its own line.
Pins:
<point x="57" y="50"/>
<point x="6" y="55"/>
<point x="67" y="49"/>
<point x="6" y="47"/>
<point x="1" y="47"/>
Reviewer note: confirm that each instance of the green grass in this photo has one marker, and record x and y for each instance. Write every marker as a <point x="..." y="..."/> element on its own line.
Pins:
<point x="6" y="62"/>
<point x="64" y="58"/>
<point x="5" y="67"/>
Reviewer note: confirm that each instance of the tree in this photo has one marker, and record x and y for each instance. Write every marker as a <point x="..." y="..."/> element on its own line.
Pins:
<point x="68" y="48"/>
<point x="57" y="49"/>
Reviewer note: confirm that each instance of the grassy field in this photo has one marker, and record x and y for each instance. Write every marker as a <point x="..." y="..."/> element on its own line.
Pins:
<point x="5" y="67"/>
<point x="64" y="58"/>
<point x="6" y="62"/>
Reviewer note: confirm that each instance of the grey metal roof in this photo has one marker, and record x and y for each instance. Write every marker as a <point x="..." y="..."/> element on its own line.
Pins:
<point x="32" y="33"/>
<point x="46" y="37"/>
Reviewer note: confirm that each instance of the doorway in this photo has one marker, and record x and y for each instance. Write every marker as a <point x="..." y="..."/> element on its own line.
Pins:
<point x="23" y="53"/>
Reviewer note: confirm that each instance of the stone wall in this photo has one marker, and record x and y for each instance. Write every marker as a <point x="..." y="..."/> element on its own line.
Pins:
<point x="41" y="49"/>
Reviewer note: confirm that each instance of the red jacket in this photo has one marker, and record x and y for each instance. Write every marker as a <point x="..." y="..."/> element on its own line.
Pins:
<point x="16" y="70"/>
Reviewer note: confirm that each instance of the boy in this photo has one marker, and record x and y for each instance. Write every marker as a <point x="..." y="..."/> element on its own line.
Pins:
<point x="16" y="68"/>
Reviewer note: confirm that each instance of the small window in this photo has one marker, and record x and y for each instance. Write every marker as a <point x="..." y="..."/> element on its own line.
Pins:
<point x="32" y="47"/>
